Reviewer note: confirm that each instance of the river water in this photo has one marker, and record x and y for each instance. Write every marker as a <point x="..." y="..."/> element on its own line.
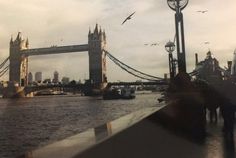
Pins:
<point x="30" y="123"/>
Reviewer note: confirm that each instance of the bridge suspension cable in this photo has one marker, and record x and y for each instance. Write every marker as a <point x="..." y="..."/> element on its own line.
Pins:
<point x="4" y="62"/>
<point x="2" y="72"/>
<point x="131" y="70"/>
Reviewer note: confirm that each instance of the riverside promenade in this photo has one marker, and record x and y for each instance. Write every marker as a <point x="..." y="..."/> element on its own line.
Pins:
<point x="149" y="139"/>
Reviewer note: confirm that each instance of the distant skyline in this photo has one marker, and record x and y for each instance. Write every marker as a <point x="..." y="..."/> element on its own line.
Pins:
<point x="54" y="74"/>
<point x="67" y="22"/>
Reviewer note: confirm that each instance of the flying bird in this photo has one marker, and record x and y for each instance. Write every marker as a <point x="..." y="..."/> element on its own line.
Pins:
<point x="128" y="18"/>
<point x="152" y="44"/>
<point x="202" y="11"/>
<point x="155" y="44"/>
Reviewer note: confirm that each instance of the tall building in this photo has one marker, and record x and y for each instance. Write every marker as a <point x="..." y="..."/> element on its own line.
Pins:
<point x="38" y="77"/>
<point x="47" y="81"/>
<point x="30" y="78"/>
<point x="55" y="77"/>
<point x="209" y="69"/>
<point x="65" y="80"/>
<point x="233" y="65"/>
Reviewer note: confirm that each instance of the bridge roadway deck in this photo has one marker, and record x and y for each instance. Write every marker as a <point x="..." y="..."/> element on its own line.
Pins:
<point x="56" y="50"/>
<point x="161" y="82"/>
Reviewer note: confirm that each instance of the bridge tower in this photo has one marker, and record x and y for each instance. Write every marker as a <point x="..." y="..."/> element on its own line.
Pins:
<point x="97" y="57"/>
<point x="18" y="62"/>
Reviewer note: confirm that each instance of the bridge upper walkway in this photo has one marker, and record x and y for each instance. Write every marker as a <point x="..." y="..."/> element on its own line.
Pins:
<point x="55" y="50"/>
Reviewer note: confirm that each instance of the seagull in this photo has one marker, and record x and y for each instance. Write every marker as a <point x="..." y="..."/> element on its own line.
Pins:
<point x="202" y="11"/>
<point x="128" y="18"/>
<point x="155" y="44"/>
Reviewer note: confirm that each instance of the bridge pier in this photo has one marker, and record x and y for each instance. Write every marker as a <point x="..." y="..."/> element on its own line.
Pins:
<point x="13" y="91"/>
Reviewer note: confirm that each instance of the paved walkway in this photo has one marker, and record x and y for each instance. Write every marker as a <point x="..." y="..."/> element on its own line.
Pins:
<point x="150" y="140"/>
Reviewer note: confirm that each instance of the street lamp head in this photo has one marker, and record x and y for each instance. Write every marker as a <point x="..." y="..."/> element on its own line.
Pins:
<point x="177" y="4"/>
<point x="170" y="47"/>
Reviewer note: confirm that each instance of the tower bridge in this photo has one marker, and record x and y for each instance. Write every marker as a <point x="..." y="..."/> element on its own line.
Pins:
<point x="96" y="48"/>
<point x="20" y="52"/>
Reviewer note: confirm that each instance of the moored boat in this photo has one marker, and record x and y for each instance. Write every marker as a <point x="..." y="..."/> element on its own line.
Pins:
<point x="127" y="93"/>
<point x="112" y="94"/>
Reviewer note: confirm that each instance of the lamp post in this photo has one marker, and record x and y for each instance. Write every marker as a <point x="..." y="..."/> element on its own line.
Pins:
<point x="170" y="47"/>
<point x="178" y="6"/>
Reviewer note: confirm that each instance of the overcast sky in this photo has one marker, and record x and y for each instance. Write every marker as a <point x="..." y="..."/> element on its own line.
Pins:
<point x="66" y="22"/>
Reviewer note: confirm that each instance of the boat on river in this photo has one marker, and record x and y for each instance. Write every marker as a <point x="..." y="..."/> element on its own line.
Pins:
<point x="49" y="92"/>
<point x="127" y="93"/>
<point x="109" y="94"/>
<point x="116" y="93"/>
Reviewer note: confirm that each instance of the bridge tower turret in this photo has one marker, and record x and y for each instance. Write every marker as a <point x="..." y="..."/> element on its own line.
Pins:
<point x="97" y="57"/>
<point x="18" y="62"/>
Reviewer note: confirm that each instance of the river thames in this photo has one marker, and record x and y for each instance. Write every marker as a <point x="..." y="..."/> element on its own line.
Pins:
<point x="30" y="123"/>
